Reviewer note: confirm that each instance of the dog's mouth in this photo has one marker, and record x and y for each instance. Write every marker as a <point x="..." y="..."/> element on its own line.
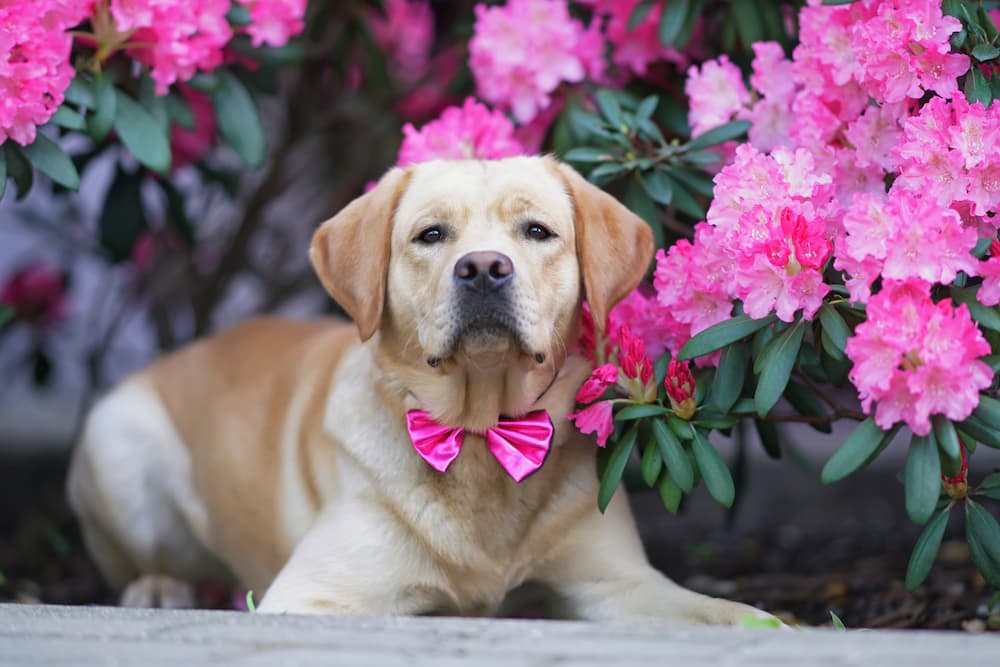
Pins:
<point x="485" y="332"/>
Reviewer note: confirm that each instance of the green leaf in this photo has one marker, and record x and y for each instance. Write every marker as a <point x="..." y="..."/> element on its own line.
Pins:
<point x="678" y="464"/>
<point x="855" y="452"/>
<point x="179" y="111"/>
<point x="238" y="121"/>
<point x="718" y="479"/>
<point x="729" y="377"/>
<point x="123" y="217"/>
<point x="142" y="134"/>
<point x="984" y="52"/>
<point x="769" y="438"/>
<point x="834" y="327"/>
<point x="610" y="109"/>
<point x="639" y="14"/>
<point x="652" y="463"/>
<point x="616" y="467"/>
<point x="670" y="493"/>
<point x="988" y="410"/>
<point x="639" y="411"/>
<point x="701" y="157"/>
<point x="646" y="108"/>
<point x="748" y="23"/>
<point x="105" y="101"/>
<point x="672" y="20"/>
<point x="926" y="550"/>
<point x="695" y="179"/>
<point x="155" y="104"/>
<point x="946" y="436"/>
<point x="807" y="404"/>
<point x="605" y="172"/>
<point x="780" y="361"/>
<point x="990" y="487"/>
<point x="6" y="315"/>
<point x="980" y="431"/>
<point x="49" y="159"/>
<point x="18" y="168"/>
<point x="977" y="88"/>
<point x="80" y="92"/>
<point x="718" y="135"/>
<point x="588" y="154"/>
<point x="922" y="478"/>
<point x="251" y="607"/>
<point x="238" y="15"/>
<point x="681" y="428"/>
<point x="983" y="536"/>
<point x="683" y="200"/>
<point x="719" y="335"/>
<point x="987" y="24"/>
<point x="837" y="623"/>
<point x="69" y="119"/>
<point x="657" y="186"/>
<point x="757" y="623"/>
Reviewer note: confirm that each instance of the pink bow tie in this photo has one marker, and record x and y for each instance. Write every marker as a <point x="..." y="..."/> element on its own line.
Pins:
<point x="520" y="445"/>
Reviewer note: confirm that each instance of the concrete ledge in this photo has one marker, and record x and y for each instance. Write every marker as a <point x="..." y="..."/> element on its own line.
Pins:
<point x="77" y="636"/>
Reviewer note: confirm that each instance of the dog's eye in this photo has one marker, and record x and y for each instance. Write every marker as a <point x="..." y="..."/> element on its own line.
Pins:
<point x="536" y="232"/>
<point x="431" y="235"/>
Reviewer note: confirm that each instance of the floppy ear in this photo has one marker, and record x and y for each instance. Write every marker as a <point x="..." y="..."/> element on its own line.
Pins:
<point x="350" y="251"/>
<point x="614" y="246"/>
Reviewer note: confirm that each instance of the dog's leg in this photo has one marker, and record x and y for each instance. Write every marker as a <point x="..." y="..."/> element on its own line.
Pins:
<point x="357" y="560"/>
<point x="600" y="572"/>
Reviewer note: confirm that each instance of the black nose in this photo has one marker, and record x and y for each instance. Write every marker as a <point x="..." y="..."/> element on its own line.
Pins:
<point x="484" y="271"/>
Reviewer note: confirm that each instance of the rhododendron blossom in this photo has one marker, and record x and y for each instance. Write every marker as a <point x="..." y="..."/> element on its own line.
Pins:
<point x="34" y="62"/>
<point x="274" y="22"/>
<point x="638" y="47"/>
<point x="468" y="131"/>
<point x="602" y="378"/>
<point x="406" y="33"/>
<point x="680" y="386"/>
<point x="914" y="358"/>
<point x="717" y="94"/>
<point x="523" y="50"/>
<point x="597" y="418"/>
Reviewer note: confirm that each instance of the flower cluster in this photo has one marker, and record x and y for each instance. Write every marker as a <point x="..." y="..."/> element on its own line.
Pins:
<point x="629" y="373"/>
<point x="523" y="50"/>
<point x="34" y="62"/>
<point x="176" y="38"/>
<point x="639" y="47"/>
<point x="468" y="131"/>
<point x="406" y="33"/>
<point x="914" y="358"/>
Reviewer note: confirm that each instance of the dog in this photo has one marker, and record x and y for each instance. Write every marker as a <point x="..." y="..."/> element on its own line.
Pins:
<point x="277" y="455"/>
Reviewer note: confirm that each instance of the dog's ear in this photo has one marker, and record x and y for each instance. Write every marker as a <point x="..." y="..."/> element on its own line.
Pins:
<point x="614" y="246"/>
<point x="350" y="251"/>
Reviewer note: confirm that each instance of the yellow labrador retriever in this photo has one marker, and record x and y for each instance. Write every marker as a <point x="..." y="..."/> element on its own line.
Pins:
<point x="277" y="453"/>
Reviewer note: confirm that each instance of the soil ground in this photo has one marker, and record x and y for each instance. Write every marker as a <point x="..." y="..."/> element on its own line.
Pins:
<point x="789" y="548"/>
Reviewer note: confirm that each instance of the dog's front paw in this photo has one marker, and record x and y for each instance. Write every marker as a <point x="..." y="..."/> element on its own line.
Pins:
<point x="158" y="592"/>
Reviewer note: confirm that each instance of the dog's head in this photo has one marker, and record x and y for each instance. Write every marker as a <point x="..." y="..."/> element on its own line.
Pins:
<point x="481" y="262"/>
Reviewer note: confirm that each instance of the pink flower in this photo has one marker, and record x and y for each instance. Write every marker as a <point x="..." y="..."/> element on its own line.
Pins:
<point x="469" y="131"/>
<point x="175" y="38"/>
<point x="602" y="378"/>
<point x="644" y="316"/>
<point x="187" y="146"/>
<point x="914" y="358"/>
<point x="37" y="294"/>
<point x="597" y="418"/>
<point x="406" y="33"/>
<point x="989" y="269"/>
<point x="635" y="48"/>
<point x="680" y="386"/>
<point x="716" y="92"/>
<point x="523" y="50"/>
<point x="632" y="356"/>
<point x="34" y="62"/>
<point x="274" y="22"/>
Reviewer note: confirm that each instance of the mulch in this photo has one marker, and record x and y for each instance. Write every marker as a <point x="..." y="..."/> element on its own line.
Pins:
<point x="801" y="575"/>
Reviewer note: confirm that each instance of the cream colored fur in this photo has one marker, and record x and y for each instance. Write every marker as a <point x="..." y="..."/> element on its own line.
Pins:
<point x="276" y="453"/>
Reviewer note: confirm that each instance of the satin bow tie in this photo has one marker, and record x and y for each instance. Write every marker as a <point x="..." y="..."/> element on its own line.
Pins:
<point x="520" y="445"/>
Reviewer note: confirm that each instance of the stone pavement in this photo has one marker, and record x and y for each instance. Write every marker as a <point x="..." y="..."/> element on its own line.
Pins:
<point x="80" y="636"/>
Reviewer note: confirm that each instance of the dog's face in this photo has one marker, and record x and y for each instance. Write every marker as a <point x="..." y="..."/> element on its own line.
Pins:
<point x="481" y="262"/>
